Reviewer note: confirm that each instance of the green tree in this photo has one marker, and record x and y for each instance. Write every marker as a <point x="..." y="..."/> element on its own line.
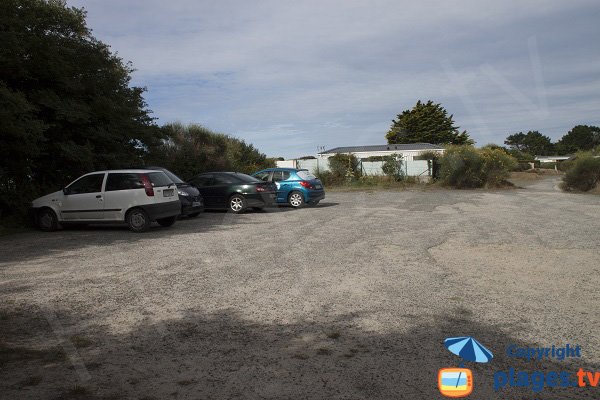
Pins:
<point x="580" y="138"/>
<point x="66" y="106"/>
<point x="191" y="149"/>
<point x="532" y="142"/>
<point x="426" y="123"/>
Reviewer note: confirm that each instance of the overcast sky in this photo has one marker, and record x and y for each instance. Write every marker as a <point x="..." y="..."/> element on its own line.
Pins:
<point x="289" y="76"/>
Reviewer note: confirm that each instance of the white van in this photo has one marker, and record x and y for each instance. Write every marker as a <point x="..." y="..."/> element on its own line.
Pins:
<point x="134" y="196"/>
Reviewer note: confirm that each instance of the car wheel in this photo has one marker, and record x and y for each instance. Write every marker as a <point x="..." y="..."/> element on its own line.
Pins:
<point x="47" y="220"/>
<point x="138" y="220"/>
<point x="237" y="203"/>
<point x="194" y="215"/>
<point x="167" y="221"/>
<point x="296" y="199"/>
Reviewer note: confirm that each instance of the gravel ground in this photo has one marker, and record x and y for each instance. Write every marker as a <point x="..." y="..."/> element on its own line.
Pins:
<point x="348" y="300"/>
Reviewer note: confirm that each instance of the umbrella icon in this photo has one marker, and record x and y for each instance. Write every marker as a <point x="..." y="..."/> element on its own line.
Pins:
<point x="469" y="349"/>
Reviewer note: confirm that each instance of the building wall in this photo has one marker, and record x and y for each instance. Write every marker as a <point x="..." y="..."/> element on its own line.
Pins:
<point x="407" y="155"/>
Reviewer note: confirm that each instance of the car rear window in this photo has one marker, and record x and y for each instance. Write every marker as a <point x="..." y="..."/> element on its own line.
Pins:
<point x="305" y="175"/>
<point x="159" y="179"/>
<point x="123" y="181"/>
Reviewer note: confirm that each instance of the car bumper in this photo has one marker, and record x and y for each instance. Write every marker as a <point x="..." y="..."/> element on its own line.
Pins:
<point x="163" y="210"/>
<point x="191" y="205"/>
<point x="312" y="196"/>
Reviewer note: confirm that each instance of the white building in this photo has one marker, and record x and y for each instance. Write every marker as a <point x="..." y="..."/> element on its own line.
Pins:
<point x="551" y="159"/>
<point x="408" y="151"/>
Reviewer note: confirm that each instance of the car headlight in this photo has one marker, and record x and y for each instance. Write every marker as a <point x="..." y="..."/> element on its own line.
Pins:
<point x="182" y="193"/>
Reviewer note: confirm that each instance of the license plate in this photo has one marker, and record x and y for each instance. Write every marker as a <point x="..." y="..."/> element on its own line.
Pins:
<point x="318" y="187"/>
<point x="168" y="192"/>
<point x="196" y="204"/>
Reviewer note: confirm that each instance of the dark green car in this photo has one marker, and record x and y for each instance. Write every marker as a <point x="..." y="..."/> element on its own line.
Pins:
<point x="234" y="191"/>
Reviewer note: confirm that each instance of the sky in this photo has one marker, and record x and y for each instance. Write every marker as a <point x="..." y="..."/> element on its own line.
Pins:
<point x="293" y="77"/>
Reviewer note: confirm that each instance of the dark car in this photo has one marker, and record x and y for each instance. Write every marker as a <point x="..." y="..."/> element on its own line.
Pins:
<point x="234" y="191"/>
<point x="192" y="202"/>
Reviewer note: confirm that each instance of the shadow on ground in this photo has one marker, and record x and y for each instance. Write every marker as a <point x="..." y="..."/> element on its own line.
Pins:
<point x="33" y="244"/>
<point x="223" y="356"/>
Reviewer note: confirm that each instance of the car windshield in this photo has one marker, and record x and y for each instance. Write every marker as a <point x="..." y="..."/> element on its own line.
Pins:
<point x="305" y="175"/>
<point x="172" y="176"/>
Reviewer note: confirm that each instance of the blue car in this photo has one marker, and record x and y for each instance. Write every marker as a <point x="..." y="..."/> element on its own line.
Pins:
<point x="295" y="187"/>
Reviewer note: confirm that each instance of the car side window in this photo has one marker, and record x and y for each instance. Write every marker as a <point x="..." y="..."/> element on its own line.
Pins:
<point x="222" y="180"/>
<point x="263" y="176"/>
<point x="286" y="175"/>
<point x="277" y="176"/>
<point x="123" y="182"/>
<point x="86" y="184"/>
<point x="202" y="180"/>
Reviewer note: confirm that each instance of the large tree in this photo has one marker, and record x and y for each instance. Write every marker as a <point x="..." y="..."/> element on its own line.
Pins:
<point x="426" y="123"/>
<point x="66" y="104"/>
<point x="190" y="149"/>
<point x="580" y="138"/>
<point x="532" y="142"/>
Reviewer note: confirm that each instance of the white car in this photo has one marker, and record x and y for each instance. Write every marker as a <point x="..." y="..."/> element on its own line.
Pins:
<point x="134" y="196"/>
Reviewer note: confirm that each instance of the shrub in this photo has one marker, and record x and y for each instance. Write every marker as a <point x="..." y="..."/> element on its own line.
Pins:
<point x="392" y="167"/>
<point x="468" y="167"/>
<point x="344" y="166"/>
<point x="497" y="165"/>
<point x="584" y="174"/>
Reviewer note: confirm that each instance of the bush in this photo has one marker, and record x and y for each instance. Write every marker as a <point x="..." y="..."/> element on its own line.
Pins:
<point x="468" y="167"/>
<point x="392" y="167"/>
<point x="584" y="174"/>
<point x="344" y="167"/>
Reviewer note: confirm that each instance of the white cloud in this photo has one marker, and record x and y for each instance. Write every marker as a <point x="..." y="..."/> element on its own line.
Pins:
<point x="336" y="72"/>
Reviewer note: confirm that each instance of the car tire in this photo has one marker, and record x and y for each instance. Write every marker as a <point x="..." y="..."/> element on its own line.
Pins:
<point x="138" y="220"/>
<point x="296" y="199"/>
<point x="237" y="204"/>
<point x="169" y="221"/>
<point x="194" y="215"/>
<point x="47" y="220"/>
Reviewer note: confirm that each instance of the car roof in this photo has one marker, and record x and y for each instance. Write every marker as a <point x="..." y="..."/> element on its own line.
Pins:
<point x="136" y="171"/>
<point x="284" y="169"/>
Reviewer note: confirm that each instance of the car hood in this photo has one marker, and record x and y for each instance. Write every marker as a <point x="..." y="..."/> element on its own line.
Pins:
<point x="45" y="200"/>
<point x="186" y="187"/>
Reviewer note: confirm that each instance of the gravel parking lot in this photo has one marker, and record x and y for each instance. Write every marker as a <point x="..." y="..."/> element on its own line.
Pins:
<point x="351" y="299"/>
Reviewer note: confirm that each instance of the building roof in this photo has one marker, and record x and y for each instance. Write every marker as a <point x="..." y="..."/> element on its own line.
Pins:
<point x="384" y="147"/>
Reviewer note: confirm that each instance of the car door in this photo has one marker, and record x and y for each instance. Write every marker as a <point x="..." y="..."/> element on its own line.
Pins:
<point x="120" y="192"/>
<point x="84" y="199"/>
<point x="221" y="188"/>
<point x="280" y="178"/>
<point x="204" y="185"/>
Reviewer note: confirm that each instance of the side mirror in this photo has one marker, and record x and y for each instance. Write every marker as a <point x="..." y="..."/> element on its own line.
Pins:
<point x="65" y="191"/>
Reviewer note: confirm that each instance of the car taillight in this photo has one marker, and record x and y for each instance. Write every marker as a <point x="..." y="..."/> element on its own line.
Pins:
<point x="147" y="184"/>
<point x="306" y="184"/>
